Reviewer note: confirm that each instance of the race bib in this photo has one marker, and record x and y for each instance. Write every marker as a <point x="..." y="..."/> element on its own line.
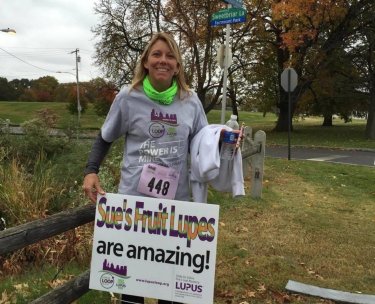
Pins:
<point x="158" y="181"/>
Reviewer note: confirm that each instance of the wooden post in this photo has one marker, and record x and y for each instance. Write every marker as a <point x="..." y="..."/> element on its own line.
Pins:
<point x="246" y="147"/>
<point x="257" y="164"/>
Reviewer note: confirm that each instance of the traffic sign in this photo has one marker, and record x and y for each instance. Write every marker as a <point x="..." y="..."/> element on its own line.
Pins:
<point x="234" y="3"/>
<point x="228" y="16"/>
<point x="289" y="79"/>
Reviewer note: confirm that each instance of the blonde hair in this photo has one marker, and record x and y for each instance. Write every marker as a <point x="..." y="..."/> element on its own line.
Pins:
<point x="141" y="71"/>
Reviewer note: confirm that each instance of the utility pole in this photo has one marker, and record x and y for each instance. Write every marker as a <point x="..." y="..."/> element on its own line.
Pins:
<point x="79" y="108"/>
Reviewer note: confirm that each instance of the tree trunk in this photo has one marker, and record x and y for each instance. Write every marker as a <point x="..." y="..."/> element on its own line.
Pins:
<point x="327" y="122"/>
<point x="370" y="126"/>
<point x="282" y="124"/>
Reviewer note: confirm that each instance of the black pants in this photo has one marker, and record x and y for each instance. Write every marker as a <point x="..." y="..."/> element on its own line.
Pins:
<point x="128" y="299"/>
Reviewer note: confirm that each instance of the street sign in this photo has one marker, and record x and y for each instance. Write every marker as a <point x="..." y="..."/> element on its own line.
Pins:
<point x="234" y="3"/>
<point x="289" y="79"/>
<point x="228" y="16"/>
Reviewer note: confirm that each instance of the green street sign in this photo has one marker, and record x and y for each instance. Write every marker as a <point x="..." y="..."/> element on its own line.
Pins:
<point x="229" y="13"/>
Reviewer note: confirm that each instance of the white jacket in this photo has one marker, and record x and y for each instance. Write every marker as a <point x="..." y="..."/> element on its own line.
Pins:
<point x="208" y="167"/>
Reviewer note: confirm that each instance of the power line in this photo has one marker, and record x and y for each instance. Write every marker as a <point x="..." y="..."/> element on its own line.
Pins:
<point x="26" y="61"/>
<point x="49" y="49"/>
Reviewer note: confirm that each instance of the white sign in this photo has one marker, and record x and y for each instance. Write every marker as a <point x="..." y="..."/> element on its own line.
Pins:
<point x="155" y="248"/>
<point x="289" y="75"/>
<point x="234" y="3"/>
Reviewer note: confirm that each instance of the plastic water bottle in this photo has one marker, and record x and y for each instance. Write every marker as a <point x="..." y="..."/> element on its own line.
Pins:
<point x="232" y="122"/>
<point x="228" y="145"/>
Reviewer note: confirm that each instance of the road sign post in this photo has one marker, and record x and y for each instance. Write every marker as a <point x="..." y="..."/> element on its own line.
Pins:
<point x="289" y="80"/>
<point x="226" y="17"/>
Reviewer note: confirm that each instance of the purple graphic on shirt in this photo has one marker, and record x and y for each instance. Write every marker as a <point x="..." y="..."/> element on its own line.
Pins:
<point x="170" y="119"/>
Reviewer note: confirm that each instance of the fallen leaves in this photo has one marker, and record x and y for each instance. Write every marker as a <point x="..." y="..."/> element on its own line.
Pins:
<point x="311" y="271"/>
<point x="281" y="297"/>
<point x="262" y="288"/>
<point x="56" y="283"/>
<point x="7" y="298"/>
<point x="249" y="294"/>
<point x="22" y="286"/>
<point x="242" y="229"/>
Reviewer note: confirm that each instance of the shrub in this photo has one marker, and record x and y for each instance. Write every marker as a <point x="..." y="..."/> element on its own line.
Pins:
<point x="38" y="140"/>
<point x="25" y="196"/>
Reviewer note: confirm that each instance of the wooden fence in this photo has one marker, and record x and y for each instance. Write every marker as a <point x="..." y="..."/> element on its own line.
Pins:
<point x="29" y="233"/>
<point x="18" y="237"/>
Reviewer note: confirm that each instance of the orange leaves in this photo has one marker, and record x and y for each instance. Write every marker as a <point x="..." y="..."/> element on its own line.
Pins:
<point x="303" y="20"/>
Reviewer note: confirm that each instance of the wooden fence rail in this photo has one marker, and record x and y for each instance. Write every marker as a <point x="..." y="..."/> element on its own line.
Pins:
<point x="18" y="237"/>
<point x="26" y="234"/>
<point x="67" y="293"/>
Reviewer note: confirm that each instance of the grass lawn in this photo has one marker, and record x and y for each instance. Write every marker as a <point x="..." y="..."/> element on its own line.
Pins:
<point x="314" y="224"/>
<point x="18" y="112"/>
<point x="306" y="132"/>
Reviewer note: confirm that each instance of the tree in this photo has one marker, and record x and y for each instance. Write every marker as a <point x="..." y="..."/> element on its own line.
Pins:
<point x="127" y="25"/>
<point x="362" y="50"/>
<point x="125" y="28"/>
<point x="334" y="91"/>
<point x="41" y="89"/>
<point x="308" y="32"/>
<point x="101" y="93"/>
<point x="73" y="100"/>
<point x="19" y="86"/>
<point x="7" y="92"/>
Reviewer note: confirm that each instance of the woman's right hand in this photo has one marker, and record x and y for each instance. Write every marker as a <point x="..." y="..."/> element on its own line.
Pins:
<point x="91" y="186"/>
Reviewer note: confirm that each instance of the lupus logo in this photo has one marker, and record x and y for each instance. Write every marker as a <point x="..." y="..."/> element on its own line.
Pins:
<point x="171" y="131"/>
<point x="107" y="280"/>
<point x="189" y="287"/>
<point x="118" y="270"/>
<point x="120" y="284"/>
<point x="156" y="130"/>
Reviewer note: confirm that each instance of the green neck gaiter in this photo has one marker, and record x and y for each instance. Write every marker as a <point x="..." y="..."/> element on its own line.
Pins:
<point x="166" y="97"/>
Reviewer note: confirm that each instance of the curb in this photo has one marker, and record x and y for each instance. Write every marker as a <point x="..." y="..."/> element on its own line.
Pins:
<point x="323" y="147"/>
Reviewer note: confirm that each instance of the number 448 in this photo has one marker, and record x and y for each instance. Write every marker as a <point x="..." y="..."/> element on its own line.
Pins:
<point x="161" y="185"/>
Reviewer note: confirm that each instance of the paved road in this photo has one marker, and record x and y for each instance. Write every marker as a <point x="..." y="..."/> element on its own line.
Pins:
<point x="354" y="157"/>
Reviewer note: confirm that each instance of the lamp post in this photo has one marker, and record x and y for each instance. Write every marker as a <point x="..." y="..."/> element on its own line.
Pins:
<point x="8" y="30"/>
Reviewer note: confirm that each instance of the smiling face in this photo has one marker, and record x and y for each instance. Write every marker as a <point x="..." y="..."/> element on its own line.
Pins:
<point x="162" y="65"/>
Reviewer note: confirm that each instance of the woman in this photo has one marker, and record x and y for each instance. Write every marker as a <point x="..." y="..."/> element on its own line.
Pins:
<point x="158" y="115"/>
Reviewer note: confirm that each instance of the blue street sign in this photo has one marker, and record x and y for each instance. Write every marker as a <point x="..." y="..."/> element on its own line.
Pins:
<point x="228" y="21"/>
<point x="235" y="3"/>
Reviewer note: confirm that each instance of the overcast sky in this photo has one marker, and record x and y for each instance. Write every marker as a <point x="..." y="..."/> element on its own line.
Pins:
<point x="47" y="31"/>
